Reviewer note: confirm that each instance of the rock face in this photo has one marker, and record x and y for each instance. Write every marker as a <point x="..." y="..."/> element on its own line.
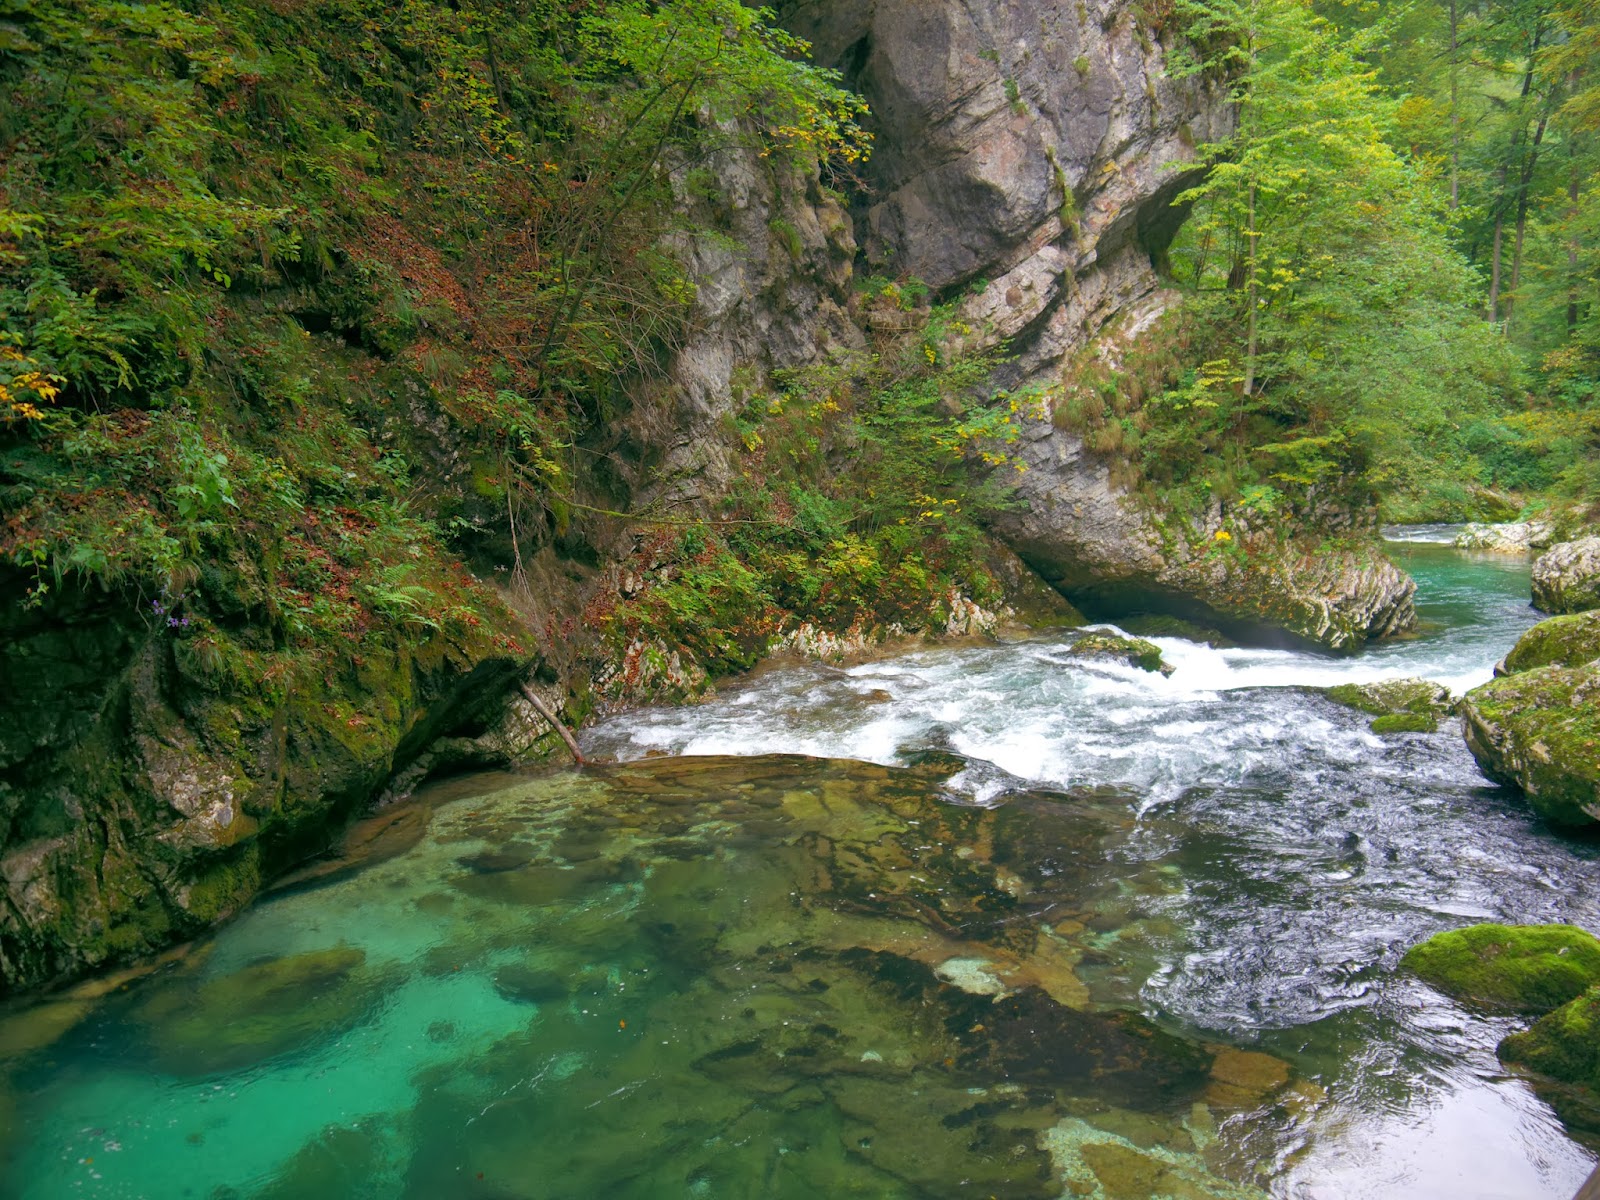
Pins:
<point x="1566" y="578"/>
<point x="1538" y="727"/>
<point x="1029" y="154"/>
<point x="142" y="798"/>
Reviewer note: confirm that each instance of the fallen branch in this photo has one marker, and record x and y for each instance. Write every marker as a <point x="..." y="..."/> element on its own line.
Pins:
<point x="543" y="709"/>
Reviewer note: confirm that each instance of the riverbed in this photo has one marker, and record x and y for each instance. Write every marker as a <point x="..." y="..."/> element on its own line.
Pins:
<point x="983" y="920"/>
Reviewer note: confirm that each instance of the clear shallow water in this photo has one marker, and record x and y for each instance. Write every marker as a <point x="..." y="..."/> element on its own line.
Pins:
<point x="770" y="976"/>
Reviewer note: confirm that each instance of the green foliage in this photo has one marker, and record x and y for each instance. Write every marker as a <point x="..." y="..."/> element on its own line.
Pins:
<point x="237" y="240"/>
<point x="866" y="481"/>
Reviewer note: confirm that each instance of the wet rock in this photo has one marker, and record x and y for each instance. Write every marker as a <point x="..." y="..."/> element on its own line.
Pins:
<point x="1564" y="1044"/>
<point x="1397" y="705"/>
<point x="529" y="984"/>
<point x="1113" y="1157"/>
<point x="1566" y="578"/>
<point x="226" y="1022"/>
<point x="1242" y="1079"/>
<point x="1509" y="537"/>
<point x="1568" y="641"/>
<point x="1509" y="968"/>
<point x="1131" y="652"/>
<point x="1539" y="731"/>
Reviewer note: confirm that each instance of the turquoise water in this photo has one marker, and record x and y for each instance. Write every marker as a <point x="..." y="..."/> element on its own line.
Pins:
<point x="1080" y="931"/>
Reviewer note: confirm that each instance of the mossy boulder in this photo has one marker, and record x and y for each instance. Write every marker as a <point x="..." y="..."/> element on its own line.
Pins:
<point x="1566" y="578"/>
<point x="1132" y="652"/>
<point x="1568" y="641"/>
<point x="1539" y="731"/>
<point x="1529" y="969"/>
<point x="1564" y="1044"/>
<point x="1397" y="705"/>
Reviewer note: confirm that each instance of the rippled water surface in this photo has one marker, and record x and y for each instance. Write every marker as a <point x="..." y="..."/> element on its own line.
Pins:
<point x="1060" y="929"/>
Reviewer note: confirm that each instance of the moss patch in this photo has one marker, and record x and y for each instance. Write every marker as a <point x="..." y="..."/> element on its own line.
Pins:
<point x="1405" y="723"/>
<point x="1559" y="642"/>
<point x="1540" y="731"/>
<point x="1509" y="968"/>
<point x="1133" y="652"/>
<point x="1564" y="1044"/>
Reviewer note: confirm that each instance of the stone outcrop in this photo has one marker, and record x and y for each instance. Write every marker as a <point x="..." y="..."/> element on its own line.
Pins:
<point x="1027" y="159"/>
<point x="1509" y="537"/>
<point x="144" y="796"/>
<point x="1537" y="726"/>
<point x="1566" y="578"/>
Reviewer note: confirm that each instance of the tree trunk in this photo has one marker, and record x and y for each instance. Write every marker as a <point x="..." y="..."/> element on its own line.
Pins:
<point x="1522" y="212"/>
<point x="1250" y="292"/>
<point x="1455" y="115"/>
<point x="1573" y="181"/>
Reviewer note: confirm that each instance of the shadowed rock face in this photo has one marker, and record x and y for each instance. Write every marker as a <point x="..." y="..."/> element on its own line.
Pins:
<point x="1028" y="154"/>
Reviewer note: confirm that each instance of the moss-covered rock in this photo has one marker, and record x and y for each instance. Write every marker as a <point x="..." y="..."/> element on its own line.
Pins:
<point x="1566" y="578"/>
<point x="1564" y="1044"/>
<point x="1568" y="641"/>
<point x="1528" y="969"/>
<point x="1397" y="705"/>
<point x="1132" y="652"/>
<point x="152" y="785"/>
<point x="1540" y="731"/>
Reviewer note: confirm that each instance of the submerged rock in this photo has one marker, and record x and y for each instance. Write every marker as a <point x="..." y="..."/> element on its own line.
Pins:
<point x="1397" y="705"/>
<point x="1132" y="652"/>
<point x="1566" y="578"/>
<point x="1529" y="969"/>
<point x="226" y="1022"/>
<point x="1539" y="730"/>
<point x="1568" y="641"/>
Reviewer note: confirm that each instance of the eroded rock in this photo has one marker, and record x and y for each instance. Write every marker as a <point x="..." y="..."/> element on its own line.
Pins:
<point x="1566" y="578"/>
<point x="1540" y="731"/>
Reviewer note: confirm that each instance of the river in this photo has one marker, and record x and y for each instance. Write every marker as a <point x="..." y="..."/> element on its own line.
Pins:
<point x="1016" y="925"/>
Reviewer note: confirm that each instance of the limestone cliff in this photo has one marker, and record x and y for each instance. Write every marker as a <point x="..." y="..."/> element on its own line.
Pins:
<point x="1028" y="157"/>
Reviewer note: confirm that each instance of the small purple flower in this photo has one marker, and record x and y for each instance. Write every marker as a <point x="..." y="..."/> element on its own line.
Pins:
<point x="155" y="606"/>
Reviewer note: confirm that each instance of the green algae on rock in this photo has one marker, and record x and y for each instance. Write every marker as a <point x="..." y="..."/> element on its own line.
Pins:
<point x="1564" y="1044"/>
<point x="1398" y="705"/>
<point x="1566" y="641"/>
<point x="1529" y="969"/>
<point x="1539" y="730"/>
<point x="1132" y="652"/>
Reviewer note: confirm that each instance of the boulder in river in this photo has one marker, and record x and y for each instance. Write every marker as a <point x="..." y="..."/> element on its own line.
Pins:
<point x="1131" y="652"/>
<point x="1510" y="537"/>
<point x="1564" y="1044"/>
<point x="1568" y="641"/>
<point x="1539" y="730"/>
<point x="1566" y="578"/>
<point x="1528" y="969"/>
<point x="1396" y="705"/>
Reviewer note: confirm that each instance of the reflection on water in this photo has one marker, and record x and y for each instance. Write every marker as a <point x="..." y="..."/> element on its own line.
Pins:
<point x="1095" y="933"/>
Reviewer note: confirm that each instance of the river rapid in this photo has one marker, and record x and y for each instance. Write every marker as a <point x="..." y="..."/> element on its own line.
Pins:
<point x="983" y="920"/>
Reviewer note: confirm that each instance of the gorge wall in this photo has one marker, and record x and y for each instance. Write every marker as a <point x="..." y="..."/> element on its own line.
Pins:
<point x="1026" y="161"/>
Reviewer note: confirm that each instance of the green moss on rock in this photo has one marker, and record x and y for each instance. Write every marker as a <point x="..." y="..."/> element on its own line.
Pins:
<point x="1564" y="1044"/>
<point x="1399" y="705"/>
<point x="1510" y="968"/>
<point x="1567" y="641"/>
<point x="1540" y="731"/>
<point x="1407" y="722"/>
<point x="1133" y="652"/>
